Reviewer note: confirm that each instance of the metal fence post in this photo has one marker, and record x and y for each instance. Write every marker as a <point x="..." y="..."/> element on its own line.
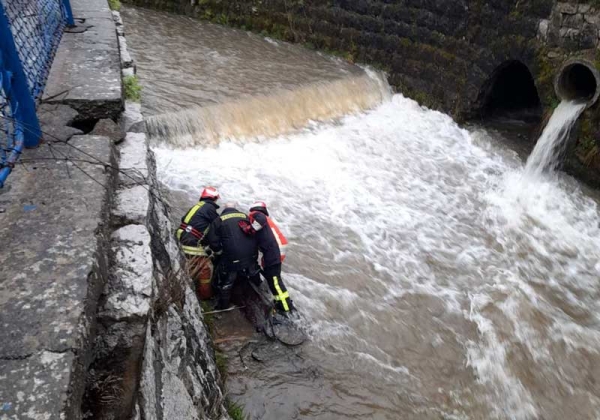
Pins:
<point x="20" y="98"/>
<point x="69" y="13"/>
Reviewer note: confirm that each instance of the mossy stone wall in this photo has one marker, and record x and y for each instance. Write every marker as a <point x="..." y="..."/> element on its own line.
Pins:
<point x="438" y="52"/>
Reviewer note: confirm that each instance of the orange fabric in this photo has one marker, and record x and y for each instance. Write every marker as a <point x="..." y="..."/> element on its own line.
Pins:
<point x="279" y="237"/>
<point x="200" y="269"/>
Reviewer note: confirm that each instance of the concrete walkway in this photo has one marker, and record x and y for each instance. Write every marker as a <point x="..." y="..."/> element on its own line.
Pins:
<point x="86" y="73"/>
<point x="53" y="228"/>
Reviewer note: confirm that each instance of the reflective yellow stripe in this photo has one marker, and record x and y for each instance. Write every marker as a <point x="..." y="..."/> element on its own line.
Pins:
<point x="282" y="297"/>
<point x="189" y="216"/>
<point x="286" y="295"/>
<point x="193" y="250"/>
<point x="233" y="215"/>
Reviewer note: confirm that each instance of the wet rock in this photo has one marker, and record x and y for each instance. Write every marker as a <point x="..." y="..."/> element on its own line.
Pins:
<point x="593" y="19"/>
<point x="567" y="8"/>
<point x="148" y="383"/>
<point x="553" y="55"/>
<point x="543" y="29"/>
<point x="108" y="128"/>
<point x="584" y="8"/>
<point x="573" y="21"/>
<point x="179" y="378"/>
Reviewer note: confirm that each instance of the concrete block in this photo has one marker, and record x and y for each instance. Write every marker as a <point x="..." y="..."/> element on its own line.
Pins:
<point x="86" y="72"/>
<point x="133" y="165"/>
<point x="130" y="287"/>
<point x="45" y="279"/>
<point x="128" y="72"/>
<point x="126" y="60"/>
<point x="132" y="204"/>
<point x="35" y="387"/>
<point x="53" y="270"/>
<point x="132" y="115"/>
<point x="148" y="393"/>
<point x="117" y="18"/>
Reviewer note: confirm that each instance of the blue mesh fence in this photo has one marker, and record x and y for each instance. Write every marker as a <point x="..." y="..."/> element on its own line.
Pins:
<point x="30" y="31"/>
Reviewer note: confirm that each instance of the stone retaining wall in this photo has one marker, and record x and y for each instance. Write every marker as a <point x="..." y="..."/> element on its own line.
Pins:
<point x="441" y="53"/>
<point x="438" y="52"/>
<point x="153" y="357"/>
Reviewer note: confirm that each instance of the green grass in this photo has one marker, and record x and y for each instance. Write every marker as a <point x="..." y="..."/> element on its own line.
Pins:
<point x="114" y="5"/>
<point x="133" y="89"/>
<point x="221" y="362"/>
<point x="235" y="411"/>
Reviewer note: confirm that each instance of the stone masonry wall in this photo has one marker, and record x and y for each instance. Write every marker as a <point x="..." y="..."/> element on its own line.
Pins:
<point x="438" y="52"/>
<point x="573" y="31"/>
<point x="153" y="357"/>
<point x="442" y="53"/>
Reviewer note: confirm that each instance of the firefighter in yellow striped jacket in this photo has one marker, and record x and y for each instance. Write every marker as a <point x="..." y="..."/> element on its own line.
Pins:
<point x="272" y="244"/>
<point x="192" y="238"/>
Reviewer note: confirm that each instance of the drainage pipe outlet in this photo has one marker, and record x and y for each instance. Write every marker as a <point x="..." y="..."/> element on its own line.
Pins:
<point x="578" y="80"/>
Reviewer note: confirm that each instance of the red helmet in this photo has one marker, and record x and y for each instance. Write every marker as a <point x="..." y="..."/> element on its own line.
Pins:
<point x="210" y="192"/>
<point x="260" y="206"/>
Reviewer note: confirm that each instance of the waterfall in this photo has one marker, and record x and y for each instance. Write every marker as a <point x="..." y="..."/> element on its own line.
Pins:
<point x="545" y="155"/>
<point x="270" y="115"/>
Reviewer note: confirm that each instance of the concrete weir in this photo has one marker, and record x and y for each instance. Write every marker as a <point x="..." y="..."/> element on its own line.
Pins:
<point x="97" y="318"/>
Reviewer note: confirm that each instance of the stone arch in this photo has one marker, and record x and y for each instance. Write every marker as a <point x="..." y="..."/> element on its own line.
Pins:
<point x="510" y="91"/>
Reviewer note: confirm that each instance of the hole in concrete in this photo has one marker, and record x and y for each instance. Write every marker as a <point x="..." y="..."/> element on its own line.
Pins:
<point x="84" y="125"/>
<point x="510" y="92"/>
<point x="578" y="80"/>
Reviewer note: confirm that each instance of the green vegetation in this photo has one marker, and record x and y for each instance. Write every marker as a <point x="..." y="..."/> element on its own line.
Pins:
<point x="133" y="89"/>
<point x="235" y="411"/>
<point x="221" y="362"/>
<point x="114" y="5"/>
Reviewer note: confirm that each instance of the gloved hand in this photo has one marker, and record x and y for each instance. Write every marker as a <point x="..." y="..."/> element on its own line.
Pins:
<point x="212" y="254"/>
<point x="246" y="227"/>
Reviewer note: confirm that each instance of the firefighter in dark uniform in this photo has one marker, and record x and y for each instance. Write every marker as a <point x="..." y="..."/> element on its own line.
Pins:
<point x="272" y="244"/>
<point x="238" y="252"/>
<point x="192" y="237"/>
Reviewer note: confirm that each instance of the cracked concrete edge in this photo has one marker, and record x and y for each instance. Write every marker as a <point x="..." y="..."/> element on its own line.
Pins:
<point x="97" y="278"/>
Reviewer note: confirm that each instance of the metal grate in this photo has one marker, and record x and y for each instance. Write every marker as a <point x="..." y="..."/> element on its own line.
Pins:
<point x="37" y="26"/>
<point x="11" y="129"/>
<point x="30" y="31"/>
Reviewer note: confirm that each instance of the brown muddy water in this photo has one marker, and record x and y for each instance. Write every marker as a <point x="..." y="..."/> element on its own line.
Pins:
<point x="438" y="279"/>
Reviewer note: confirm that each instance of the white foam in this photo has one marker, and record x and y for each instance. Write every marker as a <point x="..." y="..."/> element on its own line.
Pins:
<point x="400" y="202"/>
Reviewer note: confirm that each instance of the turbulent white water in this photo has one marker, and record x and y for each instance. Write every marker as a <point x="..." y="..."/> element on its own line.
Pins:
<point x="545" y="156"/>
<point x="438" y="272"/>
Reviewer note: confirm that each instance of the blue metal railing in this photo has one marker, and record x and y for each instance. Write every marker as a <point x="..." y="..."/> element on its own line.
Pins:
<point x="30" y="31"/>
